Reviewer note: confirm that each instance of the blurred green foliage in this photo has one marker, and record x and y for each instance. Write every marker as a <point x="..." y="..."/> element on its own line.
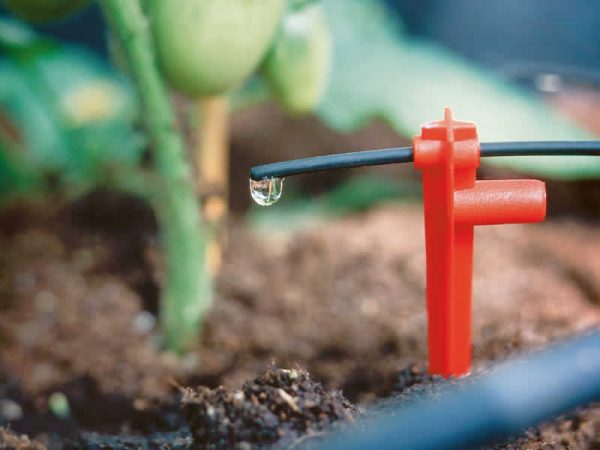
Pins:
<point x="380" y="72"/>
<point x="68" y="119"/>
<point x="65" y="117"/>
<point x="39" y="11"/>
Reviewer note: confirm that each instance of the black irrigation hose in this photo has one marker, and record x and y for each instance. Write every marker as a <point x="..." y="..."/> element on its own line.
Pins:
<point x="541" y="148"/>
<point x="512" y="397"/>
<point x="329" y="162"/>
<point x="405" y="154"/>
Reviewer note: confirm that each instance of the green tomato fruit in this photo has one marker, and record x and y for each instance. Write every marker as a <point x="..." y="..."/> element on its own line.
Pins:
<point x="209" y="47"/>
<point x="44" y="10"/>
<point x="297" y="66"/>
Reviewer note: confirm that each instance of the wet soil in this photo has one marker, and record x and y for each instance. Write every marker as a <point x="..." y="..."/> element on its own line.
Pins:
<point x="343" y="300"/>
<point x="278" y="409"/>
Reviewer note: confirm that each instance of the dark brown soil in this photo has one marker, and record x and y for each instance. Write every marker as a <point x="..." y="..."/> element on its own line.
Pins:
<point x="77" y="313"/>
<point x="579" y="430"/>
<point x="72" y="321"/>
<point x="279" y="409"/>
<point x="344" y="300"/>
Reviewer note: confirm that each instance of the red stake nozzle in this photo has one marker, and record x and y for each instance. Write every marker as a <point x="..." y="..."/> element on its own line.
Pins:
<point x="447" y="152"/>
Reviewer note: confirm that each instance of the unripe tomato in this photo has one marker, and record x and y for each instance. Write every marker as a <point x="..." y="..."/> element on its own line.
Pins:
<point x="209" y="47"/>
<point x="297" y="66"/>
<point x="44" y="10"/>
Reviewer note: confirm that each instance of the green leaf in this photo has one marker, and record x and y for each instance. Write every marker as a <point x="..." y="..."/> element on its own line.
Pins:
<point x="74" y="116"/>
<point x="379" y="72"/>
<point x="95" y="109"/>
<point x="16" y="176"/>
<point x="38" y="138"/>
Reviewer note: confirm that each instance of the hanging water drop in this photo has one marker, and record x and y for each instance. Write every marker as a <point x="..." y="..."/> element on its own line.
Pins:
<point x="266" y="192"/>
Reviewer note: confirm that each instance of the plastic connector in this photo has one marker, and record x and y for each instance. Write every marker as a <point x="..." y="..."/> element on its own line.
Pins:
<point x="447" y="153"/>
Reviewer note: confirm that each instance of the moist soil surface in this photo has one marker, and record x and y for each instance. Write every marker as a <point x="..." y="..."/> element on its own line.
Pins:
<point x="309" y="329"/>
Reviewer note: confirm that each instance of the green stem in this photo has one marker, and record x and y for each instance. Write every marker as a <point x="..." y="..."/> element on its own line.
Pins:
<point x="187" y="294"/>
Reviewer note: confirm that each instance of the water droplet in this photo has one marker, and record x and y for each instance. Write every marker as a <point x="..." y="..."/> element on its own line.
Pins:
<point x="266" y="192"/>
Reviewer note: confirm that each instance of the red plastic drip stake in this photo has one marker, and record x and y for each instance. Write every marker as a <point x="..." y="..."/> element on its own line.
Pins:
<point x="447" y="152"/>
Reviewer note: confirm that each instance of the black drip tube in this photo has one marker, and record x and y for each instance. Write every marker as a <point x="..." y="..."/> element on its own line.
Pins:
<point x="405" y="154"/>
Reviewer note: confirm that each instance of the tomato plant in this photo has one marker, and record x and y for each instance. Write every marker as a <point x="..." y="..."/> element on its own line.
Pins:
<point x="297" y="66"/>
<point x="210" y="47"/>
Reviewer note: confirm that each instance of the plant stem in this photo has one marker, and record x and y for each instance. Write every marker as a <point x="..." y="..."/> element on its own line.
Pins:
<point x="187" y="293"/>
<point x="212" y="164"/>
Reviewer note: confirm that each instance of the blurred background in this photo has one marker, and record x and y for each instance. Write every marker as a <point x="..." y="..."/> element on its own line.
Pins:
<point x="520" y="70"/>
